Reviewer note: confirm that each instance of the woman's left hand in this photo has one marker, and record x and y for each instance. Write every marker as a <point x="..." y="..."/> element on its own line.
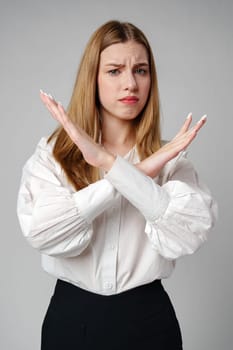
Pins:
<point x="152" y="165"/>
<point x="93" y="153"/>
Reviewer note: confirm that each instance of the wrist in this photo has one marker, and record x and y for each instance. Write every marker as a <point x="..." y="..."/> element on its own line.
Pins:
<point x="107" y="161"/>
<point x="151" y="166"/>
<point x="145" y="167"/>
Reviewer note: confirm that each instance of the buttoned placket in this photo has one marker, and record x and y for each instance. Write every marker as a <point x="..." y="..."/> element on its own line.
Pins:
<point x="109" y="271"/>
<point x="109" y="267"/>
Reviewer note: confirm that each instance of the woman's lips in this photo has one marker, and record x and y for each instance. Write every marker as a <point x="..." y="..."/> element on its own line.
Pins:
<point x="129" y="99"/>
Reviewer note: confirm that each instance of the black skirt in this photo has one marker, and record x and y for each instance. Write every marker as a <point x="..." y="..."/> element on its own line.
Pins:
<point x="140" y="318"/>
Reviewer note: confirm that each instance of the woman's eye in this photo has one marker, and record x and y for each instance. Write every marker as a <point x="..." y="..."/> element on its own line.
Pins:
<point x="140" y="71"/>
<point x="114" y="72"/>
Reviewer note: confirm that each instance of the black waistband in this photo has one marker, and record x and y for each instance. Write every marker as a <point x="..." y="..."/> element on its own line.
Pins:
<point x="69" y="290"/>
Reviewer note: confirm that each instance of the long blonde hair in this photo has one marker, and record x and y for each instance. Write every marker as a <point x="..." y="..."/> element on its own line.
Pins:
<point x="84" y="105"/>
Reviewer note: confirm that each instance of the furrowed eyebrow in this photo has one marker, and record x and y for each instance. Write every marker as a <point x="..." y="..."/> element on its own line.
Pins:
<point x="142" y="64"/>
<point x="122" y="65"/>
<point x="114" y="65"/>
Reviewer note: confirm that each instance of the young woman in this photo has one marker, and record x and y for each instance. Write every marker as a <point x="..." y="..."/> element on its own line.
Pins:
<point x="109" y="206"/>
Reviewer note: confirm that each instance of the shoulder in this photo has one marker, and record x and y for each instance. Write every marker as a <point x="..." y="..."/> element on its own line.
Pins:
<point x="43" y="156"/>
<point x="44" y="148"/>
<point x="44" y="145"/>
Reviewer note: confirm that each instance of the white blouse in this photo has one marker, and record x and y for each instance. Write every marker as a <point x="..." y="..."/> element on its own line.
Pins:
<point x="120" y="232"/>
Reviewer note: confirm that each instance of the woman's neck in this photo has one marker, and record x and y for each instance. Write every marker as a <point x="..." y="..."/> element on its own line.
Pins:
<point x="118" y="136"/>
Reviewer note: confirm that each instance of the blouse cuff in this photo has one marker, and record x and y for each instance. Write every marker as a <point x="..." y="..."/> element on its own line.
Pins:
<point x="95" y="199"/>
<point x="140" y="190"/>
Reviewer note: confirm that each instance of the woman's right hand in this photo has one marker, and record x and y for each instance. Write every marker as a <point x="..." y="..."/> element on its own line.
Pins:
<point x="152" y="165"/>
<point x="93" y="153"/>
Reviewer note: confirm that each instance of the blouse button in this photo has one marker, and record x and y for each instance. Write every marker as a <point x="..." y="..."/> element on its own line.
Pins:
<point x="108" y="285"/>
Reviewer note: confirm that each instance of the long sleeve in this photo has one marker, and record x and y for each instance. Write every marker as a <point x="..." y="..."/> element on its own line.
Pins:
<point x="54" y="219"/>
<point x="179" y="212"/>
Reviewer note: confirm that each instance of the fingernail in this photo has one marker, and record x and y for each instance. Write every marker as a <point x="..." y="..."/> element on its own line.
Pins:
<point x="51" y="96"/>
<point x="203" y="119"/>
<point x="44" y="93"/>
<point x="189" y="115"/>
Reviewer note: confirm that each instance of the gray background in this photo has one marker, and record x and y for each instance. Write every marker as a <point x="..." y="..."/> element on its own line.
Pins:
<point x="41" y="44"/>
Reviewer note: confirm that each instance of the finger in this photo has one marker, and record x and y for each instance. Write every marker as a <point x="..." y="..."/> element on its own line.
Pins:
<point x="43" y="97"/>
<point x="200" y="123"/>
<point x="46" y="97"/>
<point x="195" y="129"/>
<point x="185" y="126"/>
<point x="51" y="105"/>
<point x="54" y="113"/>
<point x="61" y="109"/>
<point x="72" y="130"/>
<point x="58" y="112"/>
<point x="65" y="120"/>
<point x="187" y="123"/>
<point x="183" y="140"/>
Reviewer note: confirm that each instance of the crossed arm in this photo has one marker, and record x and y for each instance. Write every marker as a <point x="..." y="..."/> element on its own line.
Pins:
<point x="99" y="157"/>
<point x="178" y="214"/>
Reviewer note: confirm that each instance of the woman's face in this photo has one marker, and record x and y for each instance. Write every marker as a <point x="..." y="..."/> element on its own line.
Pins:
<point x="123" y="80"/>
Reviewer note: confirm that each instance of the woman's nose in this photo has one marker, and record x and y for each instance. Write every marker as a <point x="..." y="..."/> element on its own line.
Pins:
<point x="130" y="82"/>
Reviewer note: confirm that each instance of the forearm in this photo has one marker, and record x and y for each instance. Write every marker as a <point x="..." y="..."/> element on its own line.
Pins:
<point x="149" y="167"/>
<point x="178" y="214"/>
<point x="140" y="190"/>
